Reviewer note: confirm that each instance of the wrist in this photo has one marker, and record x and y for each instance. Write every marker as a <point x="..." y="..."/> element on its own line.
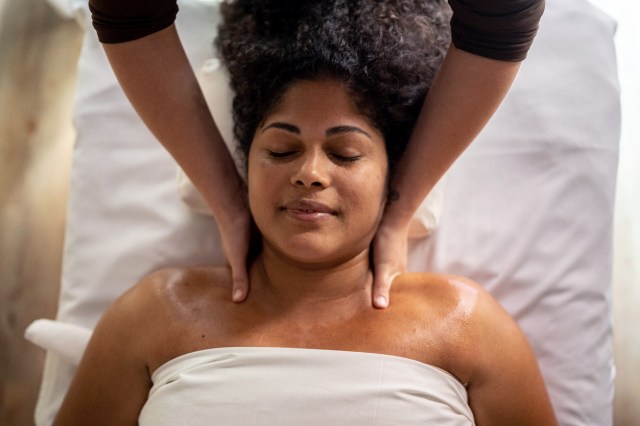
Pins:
<point x="229" y="203"/>
<point x="396" y="216"/>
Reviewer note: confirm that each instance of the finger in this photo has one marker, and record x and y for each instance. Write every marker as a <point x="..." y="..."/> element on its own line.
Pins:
<point x="383" y="279"/>
<point x="240" y="282"/>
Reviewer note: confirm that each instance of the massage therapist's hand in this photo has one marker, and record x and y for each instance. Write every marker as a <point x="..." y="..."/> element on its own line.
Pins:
<point x="389" y="256"/>
<point x="156" y="76"/>
<point x="235" y="232"/>
<point x="466" y="92"/>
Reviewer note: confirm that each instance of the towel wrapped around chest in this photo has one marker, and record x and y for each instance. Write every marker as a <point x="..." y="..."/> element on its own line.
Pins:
<point x="289" y="386"/>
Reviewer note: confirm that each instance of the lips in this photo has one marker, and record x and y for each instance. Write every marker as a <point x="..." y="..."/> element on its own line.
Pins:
<point x="308" y="210"/>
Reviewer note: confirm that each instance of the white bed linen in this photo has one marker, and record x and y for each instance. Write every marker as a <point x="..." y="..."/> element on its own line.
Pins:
<point x="124" y="214"/>
<point x="288" y="386"/>
<point x="527" y="210"/>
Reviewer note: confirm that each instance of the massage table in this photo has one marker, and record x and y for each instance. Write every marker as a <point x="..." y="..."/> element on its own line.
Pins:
<point x="526" y="211"/>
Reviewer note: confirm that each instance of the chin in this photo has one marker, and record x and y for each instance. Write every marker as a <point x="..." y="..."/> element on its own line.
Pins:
<point x="303" y="250"/>
<point x="314" y="253"/>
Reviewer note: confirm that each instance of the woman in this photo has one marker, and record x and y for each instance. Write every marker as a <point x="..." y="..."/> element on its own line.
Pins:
<point x="490" y="38"/>
<point x="324" y="108"/>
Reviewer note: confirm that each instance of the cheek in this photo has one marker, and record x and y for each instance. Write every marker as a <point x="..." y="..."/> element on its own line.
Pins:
<point x="368" y="193"/>
<point x="255" y="185"/>
<point x="265" y="184"/>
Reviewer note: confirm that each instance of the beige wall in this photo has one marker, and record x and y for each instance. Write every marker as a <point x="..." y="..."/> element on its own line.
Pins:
<point x="37" y="70"/>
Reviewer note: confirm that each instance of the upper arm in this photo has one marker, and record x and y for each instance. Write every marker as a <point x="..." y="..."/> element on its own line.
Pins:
<point x="506" y="387"/>
<point x="112" y="381"/>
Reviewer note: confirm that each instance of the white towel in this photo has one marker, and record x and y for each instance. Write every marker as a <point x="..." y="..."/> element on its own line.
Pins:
<point x="290" y="386"/>
<point x="67" y="340"/>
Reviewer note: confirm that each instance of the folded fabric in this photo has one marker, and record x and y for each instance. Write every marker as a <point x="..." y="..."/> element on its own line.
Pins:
<point x="66" y="340"/>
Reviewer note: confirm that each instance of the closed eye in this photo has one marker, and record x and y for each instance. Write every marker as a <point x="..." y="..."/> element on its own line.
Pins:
<point x="347" y="159"/>
<point x="278" y="154"/>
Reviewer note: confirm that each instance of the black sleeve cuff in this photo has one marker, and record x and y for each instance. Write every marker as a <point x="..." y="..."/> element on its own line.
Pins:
<point x="117" y="21"/>
<point x="496" y="29"/>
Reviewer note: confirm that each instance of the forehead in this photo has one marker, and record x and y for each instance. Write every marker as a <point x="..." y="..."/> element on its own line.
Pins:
<point x="323" y="102"/>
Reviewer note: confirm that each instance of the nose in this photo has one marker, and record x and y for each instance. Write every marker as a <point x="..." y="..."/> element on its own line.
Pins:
<point x="311" y="170"/>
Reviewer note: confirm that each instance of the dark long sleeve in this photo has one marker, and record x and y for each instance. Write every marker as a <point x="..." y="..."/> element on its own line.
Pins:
<point x="117" y="21"/>
<point x="496" y="29"/>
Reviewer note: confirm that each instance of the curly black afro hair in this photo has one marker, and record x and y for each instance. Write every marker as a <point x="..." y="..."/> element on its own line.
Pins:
<point x="386" y="53"/>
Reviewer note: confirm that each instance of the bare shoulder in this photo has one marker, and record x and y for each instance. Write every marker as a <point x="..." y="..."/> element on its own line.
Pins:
<point x="458" y="300"/>
<point x="486" y="349"/>
<point x="141" y="330"/>
<point x="463" y="317"/>
<point x="157" y="316"/>
<point x="190" y="279"/>
<point x="177" y="287"/>
<point x="163" y="300"/>
<point x="449" y="295"/>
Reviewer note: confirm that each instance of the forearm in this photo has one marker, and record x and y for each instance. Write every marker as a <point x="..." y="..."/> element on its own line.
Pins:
<point x="462" y="99"/>
<point x="159" y="82"/>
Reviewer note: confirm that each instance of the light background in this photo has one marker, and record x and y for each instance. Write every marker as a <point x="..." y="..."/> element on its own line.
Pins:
<point x="35" y="152"/>
<point x="626" y="283"/>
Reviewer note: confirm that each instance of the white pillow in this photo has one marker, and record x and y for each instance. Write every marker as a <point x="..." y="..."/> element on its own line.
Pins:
<point x="527" y="209"/>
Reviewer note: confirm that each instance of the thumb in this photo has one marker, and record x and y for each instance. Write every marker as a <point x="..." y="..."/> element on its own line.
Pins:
<point x="382" y="280"/>
<point x="240" y="281"/>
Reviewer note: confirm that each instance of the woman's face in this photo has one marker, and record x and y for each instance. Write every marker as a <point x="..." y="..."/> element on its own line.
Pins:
<point x="317" y="173"/>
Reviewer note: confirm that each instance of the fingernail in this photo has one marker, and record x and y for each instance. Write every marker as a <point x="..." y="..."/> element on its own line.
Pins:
<point x="381" y="302"/>
<point x="237" y="295"/>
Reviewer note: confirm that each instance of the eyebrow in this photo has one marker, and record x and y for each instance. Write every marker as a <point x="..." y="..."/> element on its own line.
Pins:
<point x="283" y="126"/>
<point x="338" y="130"/>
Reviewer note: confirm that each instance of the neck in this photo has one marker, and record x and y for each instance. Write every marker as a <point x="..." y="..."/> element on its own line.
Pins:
<point x="287" y="286"/>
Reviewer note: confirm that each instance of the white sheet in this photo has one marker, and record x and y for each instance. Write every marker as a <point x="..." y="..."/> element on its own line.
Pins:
<point x="527" y="209"/>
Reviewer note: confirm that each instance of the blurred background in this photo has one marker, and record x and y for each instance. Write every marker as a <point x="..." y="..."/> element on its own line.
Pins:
<point x="626" y="267"/>
<point x="38" y="53"/>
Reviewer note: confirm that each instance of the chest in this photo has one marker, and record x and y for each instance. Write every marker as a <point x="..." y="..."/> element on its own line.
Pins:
<point x="398" y="332"/>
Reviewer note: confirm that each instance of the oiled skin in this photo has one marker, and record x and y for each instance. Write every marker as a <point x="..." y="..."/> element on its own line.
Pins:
<point x="445" y="321"/>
